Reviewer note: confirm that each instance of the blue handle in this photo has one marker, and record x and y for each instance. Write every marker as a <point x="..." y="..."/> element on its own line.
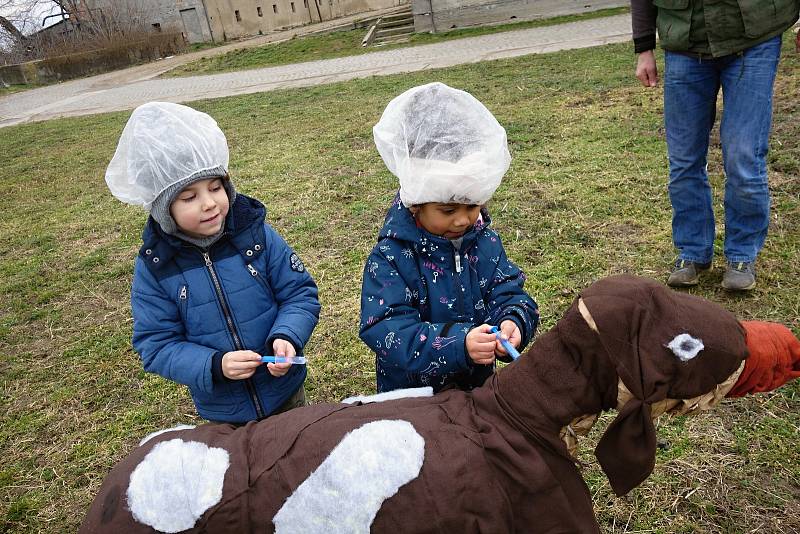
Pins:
<point x="514" y="353"/>
<point x="295" y="360"/>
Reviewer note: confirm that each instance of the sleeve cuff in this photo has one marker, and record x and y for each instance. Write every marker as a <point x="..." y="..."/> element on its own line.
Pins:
<point x="216" y="368"/>
<point x="644" y="43"/>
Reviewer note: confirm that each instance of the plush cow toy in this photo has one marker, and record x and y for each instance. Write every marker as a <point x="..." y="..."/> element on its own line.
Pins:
<point x="495" y="459"/>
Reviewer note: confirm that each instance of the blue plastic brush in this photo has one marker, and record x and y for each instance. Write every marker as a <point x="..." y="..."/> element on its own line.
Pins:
<point x="514" y="353"/>
<point x="294" y="360"/>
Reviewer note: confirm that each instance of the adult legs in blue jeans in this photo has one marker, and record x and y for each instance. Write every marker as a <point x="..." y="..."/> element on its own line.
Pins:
<point x="690" y="93"/>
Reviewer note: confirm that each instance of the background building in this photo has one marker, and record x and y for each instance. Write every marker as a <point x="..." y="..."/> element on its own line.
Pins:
<point x="220" y="20"/>
<point x="443" y="15"/>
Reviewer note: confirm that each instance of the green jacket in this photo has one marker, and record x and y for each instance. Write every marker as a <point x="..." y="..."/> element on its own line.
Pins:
<point x="715" y="27"/>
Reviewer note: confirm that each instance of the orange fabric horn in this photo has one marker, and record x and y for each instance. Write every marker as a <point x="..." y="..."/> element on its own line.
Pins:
<point x="774" y="358"/>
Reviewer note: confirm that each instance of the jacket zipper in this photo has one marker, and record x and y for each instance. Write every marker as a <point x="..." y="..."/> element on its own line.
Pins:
<point x="457" y="255"/>
<point x="258" y="277"/>
<point x="182" y="297"/>
<point x="232" y="329"/>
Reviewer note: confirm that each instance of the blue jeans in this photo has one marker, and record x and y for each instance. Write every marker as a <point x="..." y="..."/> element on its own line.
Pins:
<point x="691" y="86"/>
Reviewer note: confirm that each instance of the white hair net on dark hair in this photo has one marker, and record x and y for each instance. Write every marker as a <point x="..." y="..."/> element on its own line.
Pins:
<point x="162" y="144"/>
<point x="443" y="145"/>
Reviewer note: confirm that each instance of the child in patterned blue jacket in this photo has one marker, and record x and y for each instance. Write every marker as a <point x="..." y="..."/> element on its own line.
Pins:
<point x="214" y="286"/>
<point x="439" y="278"/>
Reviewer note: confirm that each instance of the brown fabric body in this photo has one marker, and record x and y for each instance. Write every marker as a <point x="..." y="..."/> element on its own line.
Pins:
<point x="493" y="458"/>
<point x="479" y="475"/>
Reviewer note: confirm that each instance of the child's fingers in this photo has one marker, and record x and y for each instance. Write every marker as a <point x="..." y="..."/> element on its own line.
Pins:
<point x="243" y="356"/>
<point x="484" y="339"/>
<point x="281" y="347"/>
<point x="278" y="369"/>
<point x="507" y="328"/>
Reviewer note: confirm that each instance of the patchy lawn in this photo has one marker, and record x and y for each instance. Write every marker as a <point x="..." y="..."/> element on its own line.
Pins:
<point x="585" y="197"/>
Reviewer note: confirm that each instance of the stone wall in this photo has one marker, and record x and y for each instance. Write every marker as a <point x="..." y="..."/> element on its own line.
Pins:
<point x="231" y="19"/>
<point x="220" y="20"/>
<point x="70" y="66"/>
<point x="443" y="15"/>
<point x="185" y="16"/>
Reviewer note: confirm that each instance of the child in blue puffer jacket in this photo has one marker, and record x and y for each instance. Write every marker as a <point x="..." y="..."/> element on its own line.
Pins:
<point x="214" y="286"/>
<point x="439" y="278"/>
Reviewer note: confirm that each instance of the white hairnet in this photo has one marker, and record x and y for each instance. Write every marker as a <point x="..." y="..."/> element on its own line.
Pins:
<point x="443" y="145"/>
<point x="162" y="144"/>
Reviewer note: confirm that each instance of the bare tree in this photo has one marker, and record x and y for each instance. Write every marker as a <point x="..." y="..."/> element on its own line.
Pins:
<point x="88" y="25"/>
<point x="17" y="22"/>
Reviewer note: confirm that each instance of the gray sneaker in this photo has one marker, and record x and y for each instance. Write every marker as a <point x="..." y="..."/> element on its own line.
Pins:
<point x="686" y="273"/>
<point x="740" y="276"/>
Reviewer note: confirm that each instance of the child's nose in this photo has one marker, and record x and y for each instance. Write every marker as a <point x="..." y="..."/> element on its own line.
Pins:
<point x="208" y="202"/>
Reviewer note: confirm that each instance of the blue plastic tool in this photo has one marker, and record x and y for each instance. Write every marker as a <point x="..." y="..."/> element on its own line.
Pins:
<point x="514" y="353"/>
<point x="295" y="360"/>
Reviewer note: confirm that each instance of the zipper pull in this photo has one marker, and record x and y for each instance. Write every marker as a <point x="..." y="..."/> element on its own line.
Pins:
<point x="183" y="293"/>
<point x="207" y="258"/>
<point x="458" y="262"/>
<point x="252" y="270"/>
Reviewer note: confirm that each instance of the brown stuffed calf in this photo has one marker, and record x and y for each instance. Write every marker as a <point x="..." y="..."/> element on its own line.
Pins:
<point x="489" y="460"/>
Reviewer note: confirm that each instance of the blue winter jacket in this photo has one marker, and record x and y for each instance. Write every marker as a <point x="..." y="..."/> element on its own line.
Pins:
<point x="246" y="290"/>
<point x="420" y="296"/>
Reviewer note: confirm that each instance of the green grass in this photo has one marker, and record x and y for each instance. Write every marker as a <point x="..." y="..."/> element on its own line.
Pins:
<point x="585" y="197"/>
<point x="348" y="43"/>
<point x="16" y="88"/>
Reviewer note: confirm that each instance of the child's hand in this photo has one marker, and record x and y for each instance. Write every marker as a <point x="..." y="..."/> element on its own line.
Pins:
<point x="240" y="364"/>
<point x="510" y="331"/>
<point x="281" y="347"/>
<point x="480" y="344"/>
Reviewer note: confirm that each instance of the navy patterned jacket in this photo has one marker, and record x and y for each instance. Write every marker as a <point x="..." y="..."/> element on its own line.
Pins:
<point x="420" y="297"/>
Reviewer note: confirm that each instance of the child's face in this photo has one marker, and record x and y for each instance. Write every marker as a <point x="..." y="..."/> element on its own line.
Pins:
<point x="446" y="220"/>
<point x="199" y="209"/>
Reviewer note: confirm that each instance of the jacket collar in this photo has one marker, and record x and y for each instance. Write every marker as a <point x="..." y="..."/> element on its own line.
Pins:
<point x="242" y="230"/>
<point x="400" y="223"/>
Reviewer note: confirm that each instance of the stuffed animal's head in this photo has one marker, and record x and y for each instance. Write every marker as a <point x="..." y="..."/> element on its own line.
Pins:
<point x="663" y="344"/>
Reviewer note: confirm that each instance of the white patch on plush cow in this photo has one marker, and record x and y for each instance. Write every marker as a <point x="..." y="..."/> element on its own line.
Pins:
<point x="346" y="491"/>
<point x="391" y="395"/>
<point x="176" y="483"/>
<point x="150" y="436"/>
<point x="685" y="347"/>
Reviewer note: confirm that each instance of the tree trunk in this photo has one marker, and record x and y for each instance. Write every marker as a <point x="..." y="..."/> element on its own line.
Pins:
<point x="8" y="26"/>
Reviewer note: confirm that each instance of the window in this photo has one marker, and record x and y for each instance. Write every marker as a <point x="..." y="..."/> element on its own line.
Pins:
<point x="274" y="8"/>
<point x="238" y="16"/>
<point x="157" y="26"/>
<point x="305" y="3"/>
<point x="260" y="13"/>
<point x="293" y="7"/>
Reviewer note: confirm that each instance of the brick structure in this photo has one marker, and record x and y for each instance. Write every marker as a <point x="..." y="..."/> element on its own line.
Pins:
<point x="442" y="15"/>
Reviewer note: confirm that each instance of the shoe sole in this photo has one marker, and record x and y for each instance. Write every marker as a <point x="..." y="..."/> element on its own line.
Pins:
<point x="746" y="288"/>
<point x="689" y="283"/>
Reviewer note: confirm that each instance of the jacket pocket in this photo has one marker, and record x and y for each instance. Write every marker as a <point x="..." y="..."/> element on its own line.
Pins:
<point x="761" y="17"/>
<point x="674" y="22"/>
<point x="221" y="402"/>
<point x="183" y="301"/>
<point x="671" y="4"/>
